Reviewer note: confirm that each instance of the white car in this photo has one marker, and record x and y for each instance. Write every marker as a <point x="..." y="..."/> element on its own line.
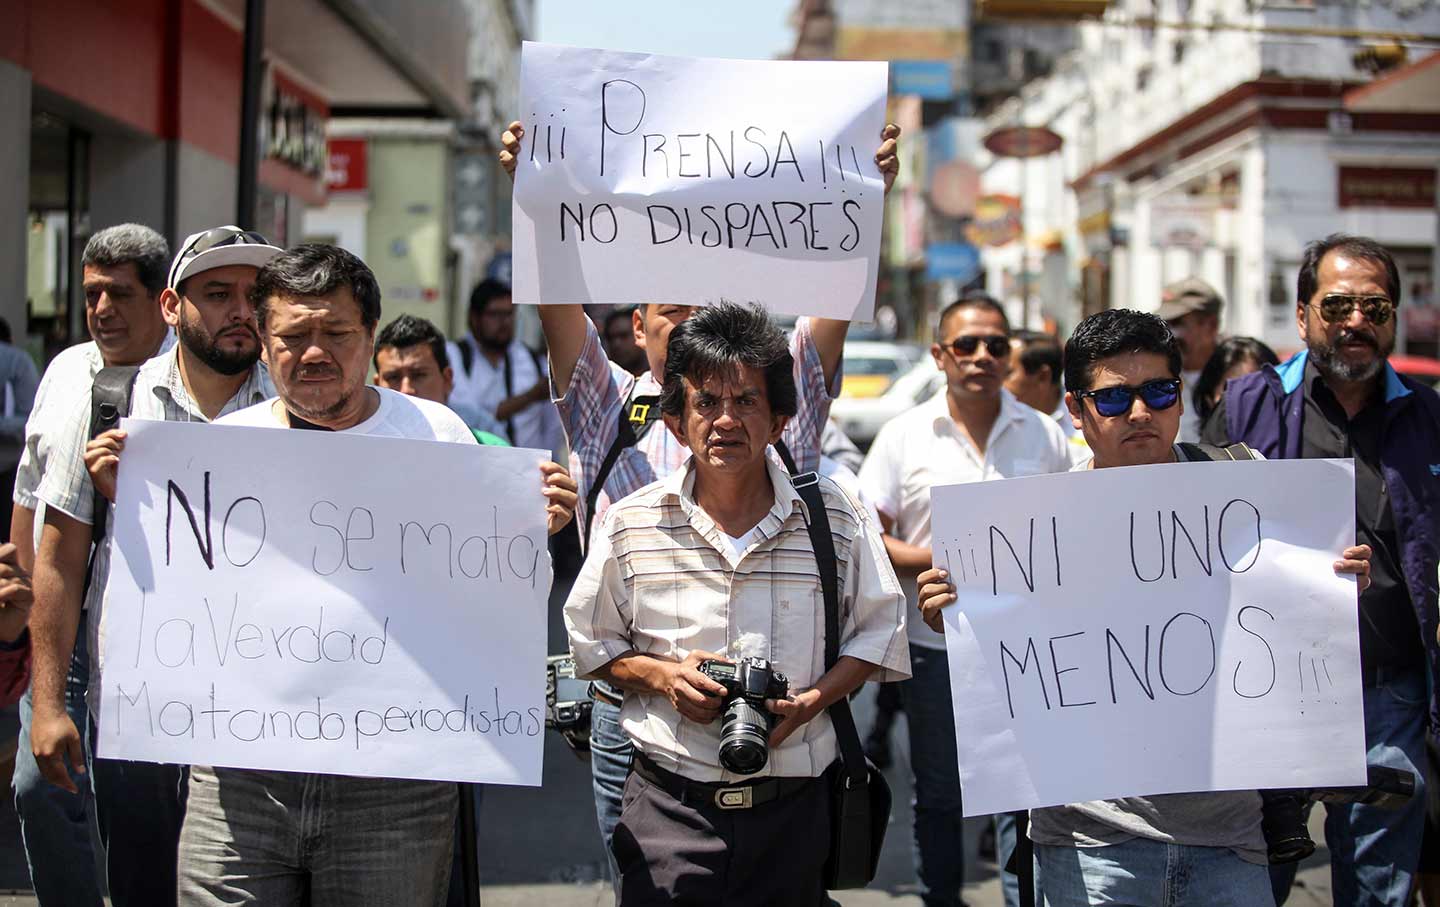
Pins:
<point x="861" y="417"/>
<point x="871" y="366"/>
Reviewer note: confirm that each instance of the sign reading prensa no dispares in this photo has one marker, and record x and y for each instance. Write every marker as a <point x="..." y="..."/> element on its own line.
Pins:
<point x="685" y="180"/>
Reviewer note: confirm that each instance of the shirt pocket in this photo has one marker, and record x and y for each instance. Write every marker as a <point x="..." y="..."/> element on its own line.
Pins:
<point x="797" y="642"/>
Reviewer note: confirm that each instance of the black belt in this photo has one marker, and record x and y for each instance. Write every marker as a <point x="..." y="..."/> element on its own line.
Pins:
<point x="725" y="796"/>
<point x="601" y="691"/>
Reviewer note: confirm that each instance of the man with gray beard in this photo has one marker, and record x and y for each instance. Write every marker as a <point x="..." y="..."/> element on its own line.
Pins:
<point x="1340" y="398"/>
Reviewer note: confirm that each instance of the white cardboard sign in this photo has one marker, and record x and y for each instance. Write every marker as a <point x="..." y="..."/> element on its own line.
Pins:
<point x="688" y="180"/>
<point x="1150" y="630"/>
<point x="315" y="602"/>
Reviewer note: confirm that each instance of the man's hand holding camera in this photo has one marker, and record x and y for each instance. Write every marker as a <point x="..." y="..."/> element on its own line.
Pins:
<point x="693" y="695"/>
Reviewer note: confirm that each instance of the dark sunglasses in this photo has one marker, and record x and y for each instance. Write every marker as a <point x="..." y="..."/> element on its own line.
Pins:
<point x="1337" y="307"/>
<point x="222" y="236"/>
<point x="1116" y="401"/>
<point x="996" y="344"/>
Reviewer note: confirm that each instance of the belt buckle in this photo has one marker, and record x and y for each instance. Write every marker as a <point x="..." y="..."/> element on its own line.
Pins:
<point x="734" y="798"/>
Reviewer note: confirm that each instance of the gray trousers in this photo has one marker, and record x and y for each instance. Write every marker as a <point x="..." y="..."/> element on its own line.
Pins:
<point x="280" y="839"/>
<point x="691" y="852"/>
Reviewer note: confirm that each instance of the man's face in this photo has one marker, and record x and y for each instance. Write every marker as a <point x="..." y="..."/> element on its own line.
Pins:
<point x="495" y="326"/>
<point x="318" y="349"/>
<point x="727" y="422"/>
<point x="978" y="373"/>
<point x="413" y="371"/>
<point x="1198" y="332"/>
<point x="1035" y="391"/>
<point x="1353" y="349"/>
<point x="213" y="317"/>
<point x="123" y="317"/>
<point x="652" y="326"/>
<point x="621" y="346"/>
<point x="1140" y="436"/>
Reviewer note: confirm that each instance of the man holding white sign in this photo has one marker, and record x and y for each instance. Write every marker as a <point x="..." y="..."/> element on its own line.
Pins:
<point x="213" y="369"/>
<point x="608" y="414"/>
<point x="1154" y="846"/>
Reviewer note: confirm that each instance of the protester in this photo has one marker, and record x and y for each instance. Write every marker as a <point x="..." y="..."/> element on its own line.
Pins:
<point x="18" y="381"/>
<point x="213" y="369"/>
<point x="1122" y="374"/>
<point x="1235" y="356"/>
<point x="731" y="512"/>
<point x="1340" y="398"/>
<point x="619" y="334"/>
<point x="1191" y="307"/>
<point x="607" y="414"/>
<point x="412" y="357"/>
<point x="123" y="271"/>
<point x="499" y="376"/>
<point x="972" y="430"/>
<point x="1036" y="366"/>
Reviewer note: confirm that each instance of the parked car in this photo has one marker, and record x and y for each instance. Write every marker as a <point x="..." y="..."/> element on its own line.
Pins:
<point x="871" y="366"/>
<point x="861" y="417"/>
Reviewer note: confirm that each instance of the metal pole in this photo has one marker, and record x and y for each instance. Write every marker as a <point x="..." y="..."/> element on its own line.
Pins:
<point x="248" y="169"/>
<point x="469" y="868"/>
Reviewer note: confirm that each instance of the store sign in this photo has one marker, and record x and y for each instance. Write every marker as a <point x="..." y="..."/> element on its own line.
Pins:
<point x="345" y="170"/>
<point x="1182" y="224"/>
<point x="1387" y="187"/>
<point x="997" y="221"/>
<point x="933" y="80"/>
<point x="957" y="261"/>
<point x="292" y="129"/>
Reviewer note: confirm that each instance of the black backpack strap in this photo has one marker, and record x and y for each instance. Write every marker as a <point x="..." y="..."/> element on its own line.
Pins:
<point x="109" y="400"/>
<point x="467" y="355"/>
<point x="1203" y="452"/>
<point x="817" y="522"/>
<point x="637" y="416"/>
<point x="789" y="461"/>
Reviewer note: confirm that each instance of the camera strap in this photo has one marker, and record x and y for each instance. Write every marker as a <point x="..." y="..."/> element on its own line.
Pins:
<point x="817" y="522"/>
<point x="637" y="416"/>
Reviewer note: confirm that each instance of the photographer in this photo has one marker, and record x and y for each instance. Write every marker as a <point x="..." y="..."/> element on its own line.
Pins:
<point x="717" y="559"/>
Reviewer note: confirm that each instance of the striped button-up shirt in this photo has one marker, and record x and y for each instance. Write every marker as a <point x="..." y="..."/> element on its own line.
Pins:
<point x="159" y="394"/>
<point x="590" y="414"/>
<point x="663" y="580"/>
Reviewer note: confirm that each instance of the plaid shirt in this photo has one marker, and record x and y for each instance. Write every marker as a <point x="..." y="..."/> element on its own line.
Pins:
<point x="664" y="580"/>
<point x="159" y="394"/>
<point x="590" y="413"/>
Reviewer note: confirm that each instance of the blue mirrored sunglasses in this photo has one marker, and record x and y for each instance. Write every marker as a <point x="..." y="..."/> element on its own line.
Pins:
<point x="1116" y="401"/>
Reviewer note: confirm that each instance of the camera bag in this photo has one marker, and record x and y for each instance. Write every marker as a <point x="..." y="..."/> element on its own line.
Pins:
<point x="859" y="793"/>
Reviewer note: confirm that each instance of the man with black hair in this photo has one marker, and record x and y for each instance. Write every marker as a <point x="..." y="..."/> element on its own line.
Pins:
<point x="499" y="378"/>
<point x="618" y="331"/>
<point x="1036" y="372"/>
<point x="693" y="831"/>
<point x="212" y="370"/>
<point x="412" y="357"/>
<point x="608" y="413"/>
<point x="972" y="430"/>
<point x="1123" y="390"/>
<point x="1340" y="398"/>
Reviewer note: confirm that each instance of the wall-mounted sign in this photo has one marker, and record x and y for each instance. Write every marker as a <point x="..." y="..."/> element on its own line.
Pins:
<point x="996" y="222"/>
<point x="958" y="261"/>
<point x="292" y="126"/>
<point x="1182" y="223"/>
<point x="345" y="170"/>
<point x="1387" y="187"/>
<point x="1023" y="141"/>
<point x="933" y="80"/>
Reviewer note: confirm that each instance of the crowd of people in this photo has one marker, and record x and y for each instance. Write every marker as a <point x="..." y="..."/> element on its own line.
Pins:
<point x="702" y="573"/>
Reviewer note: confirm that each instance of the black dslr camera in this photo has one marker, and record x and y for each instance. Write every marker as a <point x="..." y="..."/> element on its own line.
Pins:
<point x="1283" y="812"/>
<point x="567" y="703"/>
<point x="745" y="726"/>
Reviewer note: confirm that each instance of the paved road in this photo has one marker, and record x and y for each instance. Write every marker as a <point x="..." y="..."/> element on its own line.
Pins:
<point x="540" y="845"/>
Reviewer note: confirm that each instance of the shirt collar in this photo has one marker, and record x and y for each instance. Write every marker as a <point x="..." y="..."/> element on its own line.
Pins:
<point x="680" y="485"/>
<point x="254" y="390"/>
<point x="1011" y="410"/>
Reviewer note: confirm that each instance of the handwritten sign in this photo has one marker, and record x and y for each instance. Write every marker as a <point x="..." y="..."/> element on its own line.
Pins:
<point x="671" y="179"/>
<point x="1157" y="629"/>
<point x="305" y="601"/>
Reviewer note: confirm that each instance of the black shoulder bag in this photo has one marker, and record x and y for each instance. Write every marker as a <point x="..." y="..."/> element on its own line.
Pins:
<point x="109" y="400"/>
<point x="637" y="416"/>
<point x="859" y="794"/>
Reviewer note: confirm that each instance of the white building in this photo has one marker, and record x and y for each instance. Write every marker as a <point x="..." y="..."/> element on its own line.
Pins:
<point x="1216" y="138"/>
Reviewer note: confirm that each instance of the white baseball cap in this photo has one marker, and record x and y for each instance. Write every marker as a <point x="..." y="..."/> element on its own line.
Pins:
<point x="219" y="248"/>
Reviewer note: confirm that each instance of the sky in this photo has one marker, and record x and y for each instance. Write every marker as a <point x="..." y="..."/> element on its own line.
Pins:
<point x="746" y="29"/>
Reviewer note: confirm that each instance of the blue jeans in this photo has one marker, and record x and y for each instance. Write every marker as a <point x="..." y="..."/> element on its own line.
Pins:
<point x="610" y="755"/>
<point x="283" y="839"/>
<point x="1004" y="847"/>
<point x="939" y="843"/>
<point x="55" y="824"/>
<point x="1144" y="873"/>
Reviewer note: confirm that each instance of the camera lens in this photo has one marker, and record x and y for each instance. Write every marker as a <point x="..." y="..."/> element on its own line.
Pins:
<point x="744" y="738"/>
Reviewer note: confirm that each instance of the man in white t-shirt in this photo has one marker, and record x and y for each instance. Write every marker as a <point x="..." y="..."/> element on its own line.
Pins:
<point x="972" y="431"/>
<point x="1191" y="308"/>
<point x="270" y="837"/>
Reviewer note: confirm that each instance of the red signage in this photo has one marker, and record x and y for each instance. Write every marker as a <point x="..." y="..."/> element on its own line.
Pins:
<point x="1387" y="187"/>
<point x="345" y="167"/>
<point x="1023" y="141"/>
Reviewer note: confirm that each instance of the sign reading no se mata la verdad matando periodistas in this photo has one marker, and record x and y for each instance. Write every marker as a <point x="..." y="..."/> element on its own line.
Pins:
<point x="1150" y="630"/>
<point x="688" y="180"/>
<point x="317" y="602"/>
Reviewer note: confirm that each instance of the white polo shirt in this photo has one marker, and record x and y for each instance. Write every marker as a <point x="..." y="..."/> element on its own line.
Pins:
<point x="925" y="447"/>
